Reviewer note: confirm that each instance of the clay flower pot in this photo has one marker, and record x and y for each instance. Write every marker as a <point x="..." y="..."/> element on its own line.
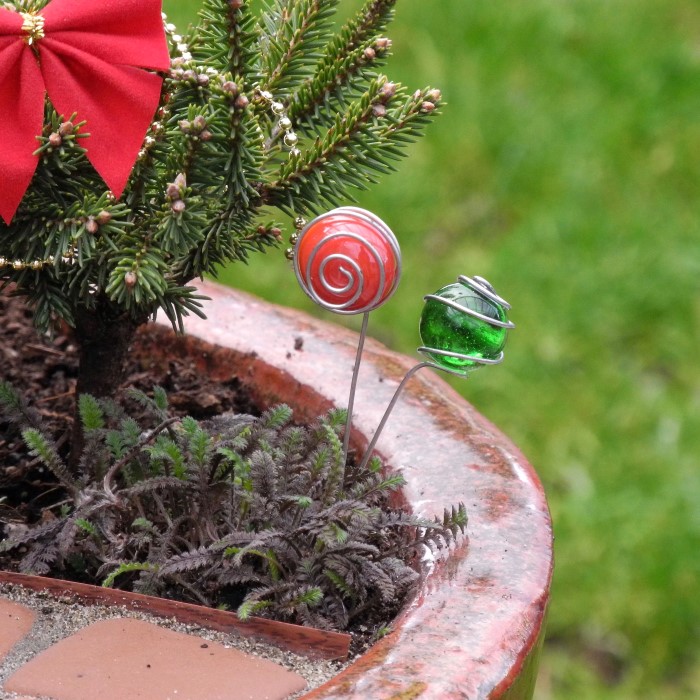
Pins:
<point x="475" y="628"/>
<point x="476" y="625"/>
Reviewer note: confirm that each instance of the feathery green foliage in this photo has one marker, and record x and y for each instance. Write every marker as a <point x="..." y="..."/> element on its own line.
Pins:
<point x="255" y="513"/>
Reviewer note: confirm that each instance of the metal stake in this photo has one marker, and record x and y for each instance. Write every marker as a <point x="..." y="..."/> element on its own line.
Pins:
<point x="353" y="385"/>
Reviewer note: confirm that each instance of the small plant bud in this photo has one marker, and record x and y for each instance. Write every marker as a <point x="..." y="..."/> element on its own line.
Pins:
<point x="177" y="62"/>
<point x="130" y="279"/>
<point x="230" y="88"/>
<point x="388" y="90"/>
<point x="203" y="79"/>
<point x="241" y="102"/>
<point x="382" y="44"/>
<point x="199" y="122"/>
<point x="434" y="95"/>
<point x="185" y="125"/>
<point x="104" y="217"/>
<point x="55" y="140"/>
<point x="369" y="53"/>
<point x="91" y="226"/>
<point x="277" y="233"/>
<point x="379" y="110"/>
<point x="66" y="129"/>
<point x="427" y="107"/>
<point x="236" y="4"/>
<point x="173" y="191"/>
<point x="181" y="181"/>
<point x="189" y="75"/>
<point x="206" y="135"/>
<point x="417" y="94"/>
<point x="178" y="206"/>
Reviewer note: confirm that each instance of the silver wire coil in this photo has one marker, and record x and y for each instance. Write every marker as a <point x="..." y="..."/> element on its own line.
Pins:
<point x="319" y="286"/>
<point x="484" y="289"/>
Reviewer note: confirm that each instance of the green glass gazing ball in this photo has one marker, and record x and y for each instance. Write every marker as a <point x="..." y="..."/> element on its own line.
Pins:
<point x="443" y="327"/>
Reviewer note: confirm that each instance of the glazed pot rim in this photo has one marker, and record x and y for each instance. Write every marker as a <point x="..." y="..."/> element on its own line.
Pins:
<point x="477" y="620"/>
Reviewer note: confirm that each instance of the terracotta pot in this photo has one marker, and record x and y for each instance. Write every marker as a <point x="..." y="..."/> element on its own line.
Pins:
<point x="475" y="628"/>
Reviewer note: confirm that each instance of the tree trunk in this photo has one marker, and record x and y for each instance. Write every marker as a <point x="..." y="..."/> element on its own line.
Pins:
<point x="103" y="335"/>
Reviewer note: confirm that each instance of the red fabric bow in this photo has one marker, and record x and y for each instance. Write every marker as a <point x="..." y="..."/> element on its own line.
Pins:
<point x="90" y="57"/>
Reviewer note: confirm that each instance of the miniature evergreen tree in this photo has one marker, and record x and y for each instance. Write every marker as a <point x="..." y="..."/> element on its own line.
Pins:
<point x="266" y="106"/>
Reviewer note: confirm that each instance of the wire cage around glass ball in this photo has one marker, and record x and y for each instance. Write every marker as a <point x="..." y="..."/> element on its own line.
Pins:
<point x="347" y="261"/>
<point x="464" y="326"/>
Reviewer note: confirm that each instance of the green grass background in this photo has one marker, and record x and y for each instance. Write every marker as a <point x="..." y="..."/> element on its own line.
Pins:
<point x="564" y="169"/>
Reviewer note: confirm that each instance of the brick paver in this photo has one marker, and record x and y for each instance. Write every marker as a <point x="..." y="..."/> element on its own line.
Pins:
<point x="126" y="658"/>
<point x="15" y="621"/>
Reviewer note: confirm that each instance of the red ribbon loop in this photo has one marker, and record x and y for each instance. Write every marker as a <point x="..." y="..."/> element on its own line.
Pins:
<point x="92" y="58"/>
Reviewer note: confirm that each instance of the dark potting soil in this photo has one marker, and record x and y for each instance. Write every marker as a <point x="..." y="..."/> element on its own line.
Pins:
<point x="44" y="370"/>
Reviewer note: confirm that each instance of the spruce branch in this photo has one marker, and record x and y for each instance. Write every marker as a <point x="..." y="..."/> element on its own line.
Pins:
<point x="350" y="59"/>
<point x="227" y="40"/>
<point x="292" y="35"/>
<point x="342" y="157"/>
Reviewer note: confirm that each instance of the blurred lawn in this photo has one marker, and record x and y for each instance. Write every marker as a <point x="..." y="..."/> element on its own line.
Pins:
<point x="565" y="170"/>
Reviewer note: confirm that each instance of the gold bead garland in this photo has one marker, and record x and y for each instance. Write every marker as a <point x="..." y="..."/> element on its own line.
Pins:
<point x="19" y="265"/>
<point x="299" y="224"/>
<point x="284" y="123"/>
<point x="158" y="127"/>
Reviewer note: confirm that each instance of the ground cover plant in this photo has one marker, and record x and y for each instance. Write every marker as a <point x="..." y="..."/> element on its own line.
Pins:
<point x="244" y="512"/>
<point x="566" y="168"/>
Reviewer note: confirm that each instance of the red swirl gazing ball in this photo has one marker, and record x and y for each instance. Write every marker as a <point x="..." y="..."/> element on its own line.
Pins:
<point x="348" y="260"/>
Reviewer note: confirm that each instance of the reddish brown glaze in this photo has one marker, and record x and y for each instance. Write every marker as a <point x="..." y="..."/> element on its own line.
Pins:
<point x="474" y="628"/>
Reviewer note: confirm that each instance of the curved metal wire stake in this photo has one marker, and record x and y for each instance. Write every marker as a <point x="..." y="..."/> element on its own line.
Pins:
<point x="404" y="381"/>
<point x="483" y="288"/>
<point x="353" y="385"/>
<point x="347" y="261"/>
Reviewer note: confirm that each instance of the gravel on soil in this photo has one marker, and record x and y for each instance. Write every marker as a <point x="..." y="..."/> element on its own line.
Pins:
<point x="60" y="616"/>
